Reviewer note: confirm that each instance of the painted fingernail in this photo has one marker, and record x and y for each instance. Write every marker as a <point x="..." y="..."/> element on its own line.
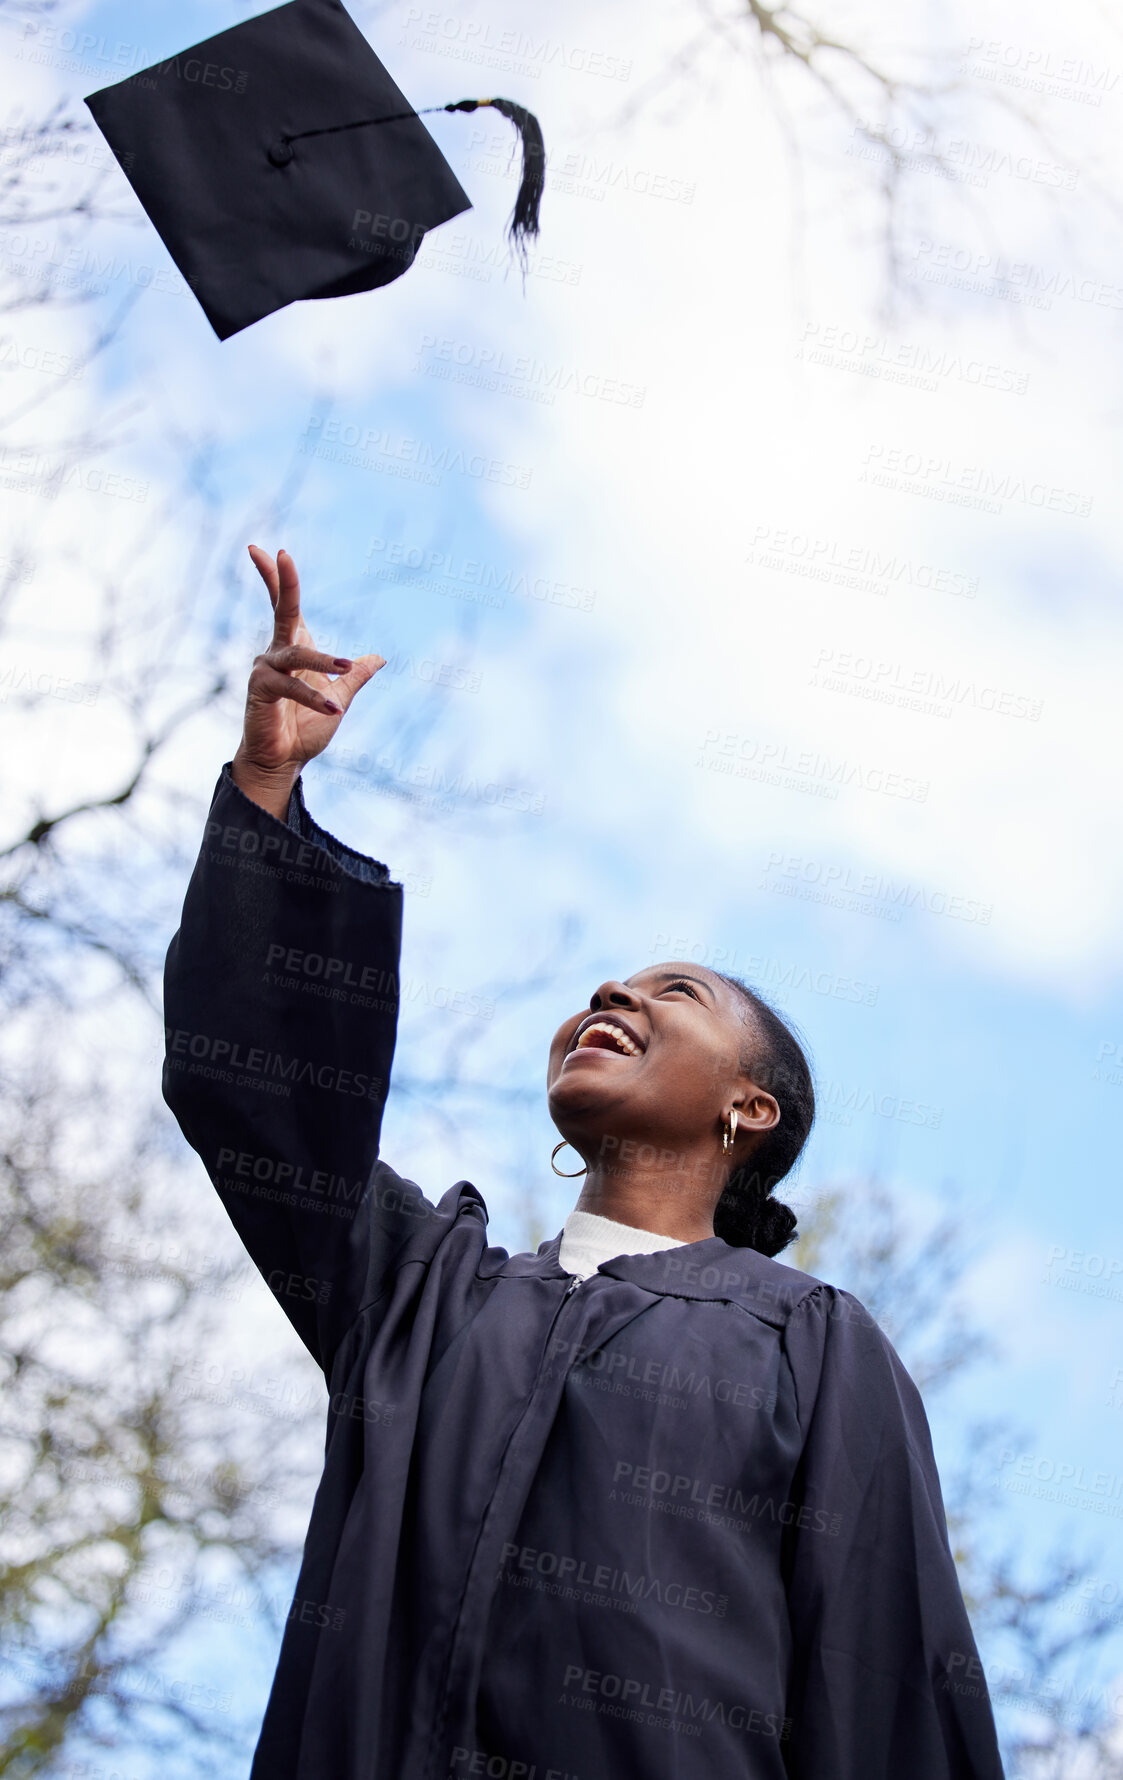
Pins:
<point x="336" y="710"/>
<point x="343" y="666"/>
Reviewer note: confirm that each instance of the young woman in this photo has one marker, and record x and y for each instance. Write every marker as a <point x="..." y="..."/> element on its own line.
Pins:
<point x="644" y="1504"/>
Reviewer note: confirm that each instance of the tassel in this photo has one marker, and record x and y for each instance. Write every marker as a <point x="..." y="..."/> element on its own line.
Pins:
<point x="528" y="201"/>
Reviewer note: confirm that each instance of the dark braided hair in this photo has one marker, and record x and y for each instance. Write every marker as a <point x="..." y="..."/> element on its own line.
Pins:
<point x="747" y="1216"/>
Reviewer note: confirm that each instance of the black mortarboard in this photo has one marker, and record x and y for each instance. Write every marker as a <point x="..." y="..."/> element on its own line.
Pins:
<point x="252" y="155"/>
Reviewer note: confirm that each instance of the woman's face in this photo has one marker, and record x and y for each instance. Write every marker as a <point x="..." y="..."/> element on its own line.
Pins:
<point x="656" y="1060"/>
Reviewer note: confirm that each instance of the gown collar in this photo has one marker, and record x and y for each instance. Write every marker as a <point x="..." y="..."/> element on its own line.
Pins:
<point x="710" y="1270"/>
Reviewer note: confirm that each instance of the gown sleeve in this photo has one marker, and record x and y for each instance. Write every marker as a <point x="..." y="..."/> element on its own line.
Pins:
<point x="280" y="1007"/>
<point x="885" y="1680"/>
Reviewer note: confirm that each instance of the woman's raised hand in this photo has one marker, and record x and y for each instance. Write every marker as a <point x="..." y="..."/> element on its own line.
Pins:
<point x="293" y="707"/>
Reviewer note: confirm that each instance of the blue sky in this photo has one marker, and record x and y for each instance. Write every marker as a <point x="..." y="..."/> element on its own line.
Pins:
<point x="769" y="402"/>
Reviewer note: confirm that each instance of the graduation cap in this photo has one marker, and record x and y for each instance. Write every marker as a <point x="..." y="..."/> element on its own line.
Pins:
<point x="279" y="161"/>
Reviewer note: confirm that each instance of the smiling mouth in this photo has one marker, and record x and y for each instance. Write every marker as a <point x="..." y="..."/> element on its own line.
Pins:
<point x="607" y="1035"/>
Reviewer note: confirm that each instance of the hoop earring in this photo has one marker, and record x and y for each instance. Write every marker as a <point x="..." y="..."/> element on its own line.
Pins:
<point x="728" y="1133"/>
<point x="566" y="1175"/>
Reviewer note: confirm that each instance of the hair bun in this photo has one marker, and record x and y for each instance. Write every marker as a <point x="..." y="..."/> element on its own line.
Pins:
<point x="755" y="1221"/>
<point x="775" y="1226"/>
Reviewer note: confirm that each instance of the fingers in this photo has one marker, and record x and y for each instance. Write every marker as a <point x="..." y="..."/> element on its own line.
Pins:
<point x="294" y="658"/>
<point x="266" y="568"/>
<point x="274" y="672"/>
<point x="283" y="584"/>
<point x="269" y="683"/>
<point x="286" y="612"/>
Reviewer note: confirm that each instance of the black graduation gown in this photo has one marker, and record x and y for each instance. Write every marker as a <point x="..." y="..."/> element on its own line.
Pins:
<point x="680" y="1521"/>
